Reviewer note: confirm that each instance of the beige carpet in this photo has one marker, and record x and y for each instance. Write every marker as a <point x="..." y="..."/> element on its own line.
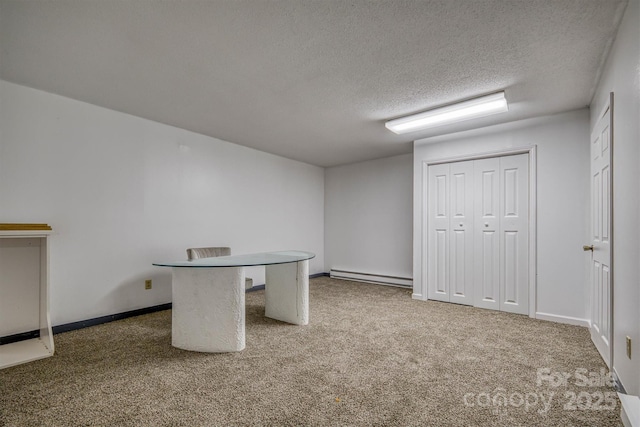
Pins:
<point x="370" y="356"/>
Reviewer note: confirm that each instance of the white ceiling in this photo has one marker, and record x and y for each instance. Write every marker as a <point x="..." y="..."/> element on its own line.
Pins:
<point x="311" y="80"/>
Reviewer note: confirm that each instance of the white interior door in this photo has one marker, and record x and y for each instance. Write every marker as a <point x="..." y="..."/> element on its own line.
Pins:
<point x="601" y="140"/>
<point x="487" y="233"/>
<point x="514" y="234"/>
<point x="438" y="223"/>
<point x="478" y="233"/>
<point x="461" y="233"/>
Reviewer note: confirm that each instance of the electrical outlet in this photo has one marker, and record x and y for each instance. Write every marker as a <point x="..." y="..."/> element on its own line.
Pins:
<point x="147" y="284"/>
<point x="629" y="347"/>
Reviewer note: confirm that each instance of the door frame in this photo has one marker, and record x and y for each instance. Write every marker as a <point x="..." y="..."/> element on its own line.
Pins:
<point x="531" y="150"/>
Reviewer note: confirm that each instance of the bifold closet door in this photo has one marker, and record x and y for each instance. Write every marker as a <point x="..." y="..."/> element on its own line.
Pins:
<point x="502" y="233"/>
<point x="478" y="233"/>
<point x="450" y="234"/>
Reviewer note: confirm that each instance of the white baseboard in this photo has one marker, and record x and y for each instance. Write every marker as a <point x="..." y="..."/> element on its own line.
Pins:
<point x="563" y="319"/>
<point x="378" y="279"/>
<point x="417" y="296"/>
<point x="630" y="410"/>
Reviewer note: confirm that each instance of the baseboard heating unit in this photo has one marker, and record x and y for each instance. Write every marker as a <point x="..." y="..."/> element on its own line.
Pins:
<point x="378" y="279"/>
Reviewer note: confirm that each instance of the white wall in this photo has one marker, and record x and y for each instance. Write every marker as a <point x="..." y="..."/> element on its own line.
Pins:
<point x="368" y="217"/>
<point x="622" y="77"/>
<point x="122" y="192"/>
<point x="562" y="142"/>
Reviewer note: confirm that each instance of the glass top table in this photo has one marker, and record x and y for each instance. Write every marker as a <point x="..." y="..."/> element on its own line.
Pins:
<point x="208" y="297"/>
<point x="248" y="260"/>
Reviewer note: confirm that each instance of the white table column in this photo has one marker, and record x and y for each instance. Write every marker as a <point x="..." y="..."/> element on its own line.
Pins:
<point x="287" y="292"/>
<point x="208" y="309"/>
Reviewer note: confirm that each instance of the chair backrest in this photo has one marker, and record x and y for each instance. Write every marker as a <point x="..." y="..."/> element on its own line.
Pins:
<point x="195" y="253"/>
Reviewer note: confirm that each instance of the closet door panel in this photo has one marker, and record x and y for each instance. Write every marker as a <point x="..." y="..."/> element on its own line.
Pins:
<point x="514" y="233"/>
<point x="461" y="234"/>
<point x="438" y="234"/>
<point x="486" y="233"/>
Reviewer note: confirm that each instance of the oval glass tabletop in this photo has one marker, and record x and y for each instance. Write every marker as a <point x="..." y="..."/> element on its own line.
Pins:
<point x="248" y="260"/>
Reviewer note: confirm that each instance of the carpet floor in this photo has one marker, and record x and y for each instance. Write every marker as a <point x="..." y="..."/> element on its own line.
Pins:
<point x="370" y="356"/>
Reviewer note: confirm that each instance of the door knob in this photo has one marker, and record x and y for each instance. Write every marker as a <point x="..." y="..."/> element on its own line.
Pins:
<point x="587" y="248"/>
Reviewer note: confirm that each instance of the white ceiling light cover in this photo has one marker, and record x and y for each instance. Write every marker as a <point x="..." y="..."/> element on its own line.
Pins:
<point x="466" y="110"/>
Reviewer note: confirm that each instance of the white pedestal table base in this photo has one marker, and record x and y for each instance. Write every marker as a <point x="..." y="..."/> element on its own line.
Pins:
<point x="287" y="292"/>
<point x="208" y="312"/>
<point x="208" y="309"/>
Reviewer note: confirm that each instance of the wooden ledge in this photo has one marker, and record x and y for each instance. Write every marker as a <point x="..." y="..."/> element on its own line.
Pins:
<point x="25" y="227"/>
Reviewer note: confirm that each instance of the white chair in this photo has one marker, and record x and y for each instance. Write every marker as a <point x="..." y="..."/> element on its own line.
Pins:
<point x="195" y="253"/>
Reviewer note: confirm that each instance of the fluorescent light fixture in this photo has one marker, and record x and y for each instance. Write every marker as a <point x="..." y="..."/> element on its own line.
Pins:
<point x="471" y="109"/>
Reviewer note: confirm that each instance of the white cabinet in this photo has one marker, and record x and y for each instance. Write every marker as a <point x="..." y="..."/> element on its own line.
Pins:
<point x="24" y="292"/>
<point x="478" y="232"/>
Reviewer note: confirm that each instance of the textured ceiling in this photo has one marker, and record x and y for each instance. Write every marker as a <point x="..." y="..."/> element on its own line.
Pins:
<point x="307" y="79"/>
